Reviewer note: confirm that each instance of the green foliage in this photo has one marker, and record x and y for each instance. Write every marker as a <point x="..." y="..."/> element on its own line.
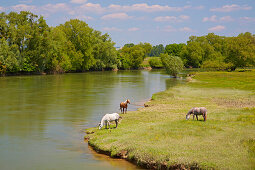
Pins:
<point x="172" y="64"/>
<point x="155" y="62"/>
<point x="222" y="53"/>
<point x="157" y="50"/>
<point x="241" y="50"/>
<point x="132" y="57"/>
<point x="174" y="49"/>
<point x="28" y="44"/>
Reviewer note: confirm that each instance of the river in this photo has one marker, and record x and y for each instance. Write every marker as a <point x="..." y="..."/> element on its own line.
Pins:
<point x="43" y="118"/>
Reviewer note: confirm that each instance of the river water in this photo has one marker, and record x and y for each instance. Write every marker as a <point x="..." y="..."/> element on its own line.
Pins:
<point x="43" y="118"/>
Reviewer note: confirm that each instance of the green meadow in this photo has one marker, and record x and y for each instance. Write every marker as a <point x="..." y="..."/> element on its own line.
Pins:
<point x="159" y="136"/>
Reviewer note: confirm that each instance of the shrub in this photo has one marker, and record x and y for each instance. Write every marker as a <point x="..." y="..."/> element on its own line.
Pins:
<point x="172" y="64"/>
<point x="155" y="62"/>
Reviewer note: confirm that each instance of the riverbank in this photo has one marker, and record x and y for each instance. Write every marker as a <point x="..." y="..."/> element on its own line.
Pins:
<point x="158" y="136"/>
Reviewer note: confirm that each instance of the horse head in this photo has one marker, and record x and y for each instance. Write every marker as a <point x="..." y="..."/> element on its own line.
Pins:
<point x="128" y="101"/>
<point x="99" y="126"/>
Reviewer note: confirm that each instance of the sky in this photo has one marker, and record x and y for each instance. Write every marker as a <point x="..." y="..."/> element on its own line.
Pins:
<point x="153" y="21"/>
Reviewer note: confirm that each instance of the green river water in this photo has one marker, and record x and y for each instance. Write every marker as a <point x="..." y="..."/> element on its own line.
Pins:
<point x="43" y="118"/>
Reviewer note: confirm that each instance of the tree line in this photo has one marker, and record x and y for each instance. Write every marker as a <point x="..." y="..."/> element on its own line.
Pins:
<point x="28" y="44"/>
<point x="213" y="51"/>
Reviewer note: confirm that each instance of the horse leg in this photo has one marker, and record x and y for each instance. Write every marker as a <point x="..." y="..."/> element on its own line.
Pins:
<point x="116" y="121"/>
<point x="205" y="116"/>
<point x="197" y="117"/>
<point x="193" y="116"/>
<point x="108" y="125"/>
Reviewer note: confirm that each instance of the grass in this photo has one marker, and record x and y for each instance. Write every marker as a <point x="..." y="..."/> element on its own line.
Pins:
<point x="158" y="136"/>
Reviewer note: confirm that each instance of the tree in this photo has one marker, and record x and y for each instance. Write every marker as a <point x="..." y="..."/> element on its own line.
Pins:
<point x="172" y="64"/>
<point x="174" y="49"/>
<point x="241" y="50"/>
<point x="157" y="50"/>
<point x="132" y="57"/>
<point x="155" y="62"/>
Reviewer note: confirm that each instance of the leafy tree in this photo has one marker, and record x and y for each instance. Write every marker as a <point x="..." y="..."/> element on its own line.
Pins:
<point x="155" y="62"/>
<point x="80" y="35"/>
<point x="132" y="57"/>
<point x="129" y="45"/>
<point x="192" y="54"/>
<point x="241" y="50"/>
<point x="172" y="64"/>
<point x="104" y="52"/>
<point x="174" y="49"/>
<point x="157" y="50"/>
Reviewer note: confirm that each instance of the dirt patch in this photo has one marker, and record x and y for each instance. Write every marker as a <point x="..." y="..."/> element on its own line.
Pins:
<point x="237" y="103"/>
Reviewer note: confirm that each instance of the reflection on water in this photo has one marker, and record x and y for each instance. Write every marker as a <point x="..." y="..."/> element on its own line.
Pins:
<point x="43" y="118"/>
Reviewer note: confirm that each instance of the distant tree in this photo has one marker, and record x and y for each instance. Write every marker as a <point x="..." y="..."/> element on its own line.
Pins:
<point x="157" y="50"/>
<point x="174" y="49"/>
<point x="132" y="57"/>
<point x="241" y="50"/>
<point x="192" y="54"/>
<point x="129" y="45"/>
<point x="172" y="64"/>
<point x="155" y="62"/>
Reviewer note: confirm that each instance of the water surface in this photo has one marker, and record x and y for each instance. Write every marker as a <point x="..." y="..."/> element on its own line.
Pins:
<point x="43" y="118"/>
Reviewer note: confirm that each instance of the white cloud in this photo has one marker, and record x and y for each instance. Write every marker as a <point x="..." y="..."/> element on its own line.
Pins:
<point x="121" y="16"/>
<point x="184" y="17"/>
<point x="212" y="19"/>
<point x="133" y="29"/>
<point x="181" y="18"/>
<point x="145" y="8"/>
<point x="1" y="8"/>
<point x="199" y="7"/>
<point x="215" y="19"/>
<point x="229" y="8"/>
<point x="247" y="19"/>
<point x="217" y="28"/>
<point x="111" y="29"/>
<point x="90" y="7"/>
<point x="226" y="19"/>
<point x="24" y="7"/>
<point x="53" y="8"/>
<point x="83" y="17"/>
<point x="186" y="29"/>
<point x="26" y="1"/>
<point x="78" y="1"/>
<point x="169" y="29"/>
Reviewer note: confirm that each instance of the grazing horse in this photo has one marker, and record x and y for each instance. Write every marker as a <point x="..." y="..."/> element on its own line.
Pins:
<point x="109" y="118"/>
<point x="197" y="111"/>
<point x="124" y="105"/>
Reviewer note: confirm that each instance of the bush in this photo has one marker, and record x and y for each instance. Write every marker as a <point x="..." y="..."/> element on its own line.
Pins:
<point x="216" y="64"/>
<point x="155" y="62"/>
<point x="172" y="64"/>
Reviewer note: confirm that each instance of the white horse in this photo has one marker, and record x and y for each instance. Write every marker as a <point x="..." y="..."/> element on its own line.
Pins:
<point x="109" y="118"/>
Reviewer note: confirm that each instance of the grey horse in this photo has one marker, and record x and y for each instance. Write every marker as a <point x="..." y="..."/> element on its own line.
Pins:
<point x="197" y="111"/>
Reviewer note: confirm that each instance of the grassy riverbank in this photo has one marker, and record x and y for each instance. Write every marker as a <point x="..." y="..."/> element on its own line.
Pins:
<point x="159" y="136"/>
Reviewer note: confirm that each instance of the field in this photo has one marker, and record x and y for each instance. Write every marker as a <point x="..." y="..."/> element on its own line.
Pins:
<point x="159" y="136"/>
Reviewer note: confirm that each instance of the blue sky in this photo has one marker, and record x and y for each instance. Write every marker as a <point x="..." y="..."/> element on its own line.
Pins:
<point x="153" y="21"/>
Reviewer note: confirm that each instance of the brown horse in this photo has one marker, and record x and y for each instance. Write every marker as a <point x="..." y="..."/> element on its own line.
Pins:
<point x="123" y="106"/>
